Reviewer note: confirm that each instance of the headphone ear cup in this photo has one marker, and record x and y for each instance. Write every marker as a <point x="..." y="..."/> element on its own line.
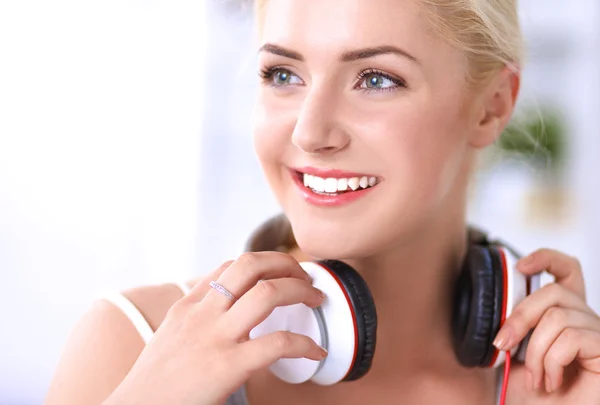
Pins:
<point x="365" y="316"/>
<point x="478" y="308"/>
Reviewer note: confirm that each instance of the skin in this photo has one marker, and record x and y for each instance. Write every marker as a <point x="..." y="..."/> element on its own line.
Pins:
<point x="419" y="140"/>
<point x="406" y="237"/>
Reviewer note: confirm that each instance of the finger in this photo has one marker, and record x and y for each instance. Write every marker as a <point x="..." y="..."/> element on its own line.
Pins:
<point x="261" y="352"/>
<point x="249" y="268"/>
<point x="554" y="321"/>
<point x="571" y="344"/>
<point x="199" y="291"/>
<point x="528" y="313"/>
<point x="566" y="269"/>
<point x="258" y="303"/>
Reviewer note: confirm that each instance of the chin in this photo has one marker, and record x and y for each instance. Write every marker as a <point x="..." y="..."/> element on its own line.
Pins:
<point x="385" y="218"/>
<point x="353" y="237"/>
<point x="331" y="241"/>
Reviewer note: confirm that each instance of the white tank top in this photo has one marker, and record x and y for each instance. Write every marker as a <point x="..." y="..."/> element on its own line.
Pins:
<point x="143" y="327"/>
<point x="133" y="313"/>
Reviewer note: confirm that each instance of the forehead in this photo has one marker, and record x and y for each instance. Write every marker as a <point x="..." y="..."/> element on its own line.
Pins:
<point x="323" y="24"/>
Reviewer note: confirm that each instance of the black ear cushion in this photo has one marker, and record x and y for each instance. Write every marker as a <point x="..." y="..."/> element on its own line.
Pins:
<point x="273" y="234"/>
<point x="478" y="306"/>
<point x="365" y="315"/>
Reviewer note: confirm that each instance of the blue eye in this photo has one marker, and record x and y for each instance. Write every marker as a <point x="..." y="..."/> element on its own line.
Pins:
<point x="373" y="80"/>
<point x="279" y="77"/>
<point x="378" y="82"/>
<point x="282" y="77"/>
<point x="369" y="80"/>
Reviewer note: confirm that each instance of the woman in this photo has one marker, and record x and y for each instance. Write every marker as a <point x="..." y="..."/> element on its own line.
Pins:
<point x="393" y="99"/>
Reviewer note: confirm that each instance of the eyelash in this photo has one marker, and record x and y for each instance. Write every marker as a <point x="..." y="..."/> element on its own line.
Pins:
<point x="400" y="83"/>
<point x="267" y="73"/>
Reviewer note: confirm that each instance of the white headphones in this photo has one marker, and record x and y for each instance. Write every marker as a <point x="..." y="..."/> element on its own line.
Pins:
<point x="345" y="325"/>
<point x="487" y="290"/>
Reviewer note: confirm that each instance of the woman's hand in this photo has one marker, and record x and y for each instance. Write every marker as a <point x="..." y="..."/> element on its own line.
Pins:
<point x="563" y="355"/>
<point x="202" y="353"/>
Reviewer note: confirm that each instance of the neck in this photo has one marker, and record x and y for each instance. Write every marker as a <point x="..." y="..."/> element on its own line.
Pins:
<point x="413" y="289"/>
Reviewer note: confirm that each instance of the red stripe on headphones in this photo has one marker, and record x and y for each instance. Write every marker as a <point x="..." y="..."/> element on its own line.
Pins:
<point x="504" y="299"/>
<point x="337" y="280"/>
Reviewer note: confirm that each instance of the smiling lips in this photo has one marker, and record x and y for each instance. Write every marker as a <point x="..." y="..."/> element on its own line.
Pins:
<point x="332" y="187"/>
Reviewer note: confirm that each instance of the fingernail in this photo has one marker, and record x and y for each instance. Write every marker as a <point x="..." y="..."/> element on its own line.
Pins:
<point x="319" y="298"/>
<point x="525" y="261"/>
<point x="502" y="340"/>
<point x="323" y="352"/>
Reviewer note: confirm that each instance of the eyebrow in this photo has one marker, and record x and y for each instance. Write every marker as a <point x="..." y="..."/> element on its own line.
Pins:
<point x="349" y="56"/>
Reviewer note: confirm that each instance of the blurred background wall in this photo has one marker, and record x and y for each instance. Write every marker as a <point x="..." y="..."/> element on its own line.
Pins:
<point x="126" y="156"/>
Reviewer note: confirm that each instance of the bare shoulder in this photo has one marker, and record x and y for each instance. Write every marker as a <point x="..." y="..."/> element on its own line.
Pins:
<point x="104" y="345"/>
<point x="155" y="301"/>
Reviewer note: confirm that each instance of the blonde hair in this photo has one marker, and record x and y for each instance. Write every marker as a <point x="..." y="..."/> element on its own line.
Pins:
<point x="487" y="31"/>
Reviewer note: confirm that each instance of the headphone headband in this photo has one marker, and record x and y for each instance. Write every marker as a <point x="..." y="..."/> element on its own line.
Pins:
<point x="479" y="237"/>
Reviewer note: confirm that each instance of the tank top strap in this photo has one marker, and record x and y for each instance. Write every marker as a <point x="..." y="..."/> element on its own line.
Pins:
<point x="185" y="289"/>
<point x="131" y="312"/>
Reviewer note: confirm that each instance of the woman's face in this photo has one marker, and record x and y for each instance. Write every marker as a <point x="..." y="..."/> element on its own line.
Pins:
<point x="357" y="94"/>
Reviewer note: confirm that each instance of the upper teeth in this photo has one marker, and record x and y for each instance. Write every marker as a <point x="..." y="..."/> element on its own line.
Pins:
<point x="332" y="185"/>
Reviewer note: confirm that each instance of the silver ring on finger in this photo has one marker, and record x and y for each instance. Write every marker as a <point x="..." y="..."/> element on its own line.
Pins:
<point x="224" y="291"/>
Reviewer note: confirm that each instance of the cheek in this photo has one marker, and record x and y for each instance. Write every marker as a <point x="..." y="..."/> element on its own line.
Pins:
<point x="424" y="149"/>
<point x="272" y="129"/>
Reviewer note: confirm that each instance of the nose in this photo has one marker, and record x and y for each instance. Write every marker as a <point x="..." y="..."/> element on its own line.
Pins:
<point x="318" y="128"/>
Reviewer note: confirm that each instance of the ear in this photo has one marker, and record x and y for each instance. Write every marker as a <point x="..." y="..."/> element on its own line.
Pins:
<point x="495" y="107"/>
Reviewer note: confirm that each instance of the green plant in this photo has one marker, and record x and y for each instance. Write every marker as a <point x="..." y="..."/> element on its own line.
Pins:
<point x="537" y="135"/>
